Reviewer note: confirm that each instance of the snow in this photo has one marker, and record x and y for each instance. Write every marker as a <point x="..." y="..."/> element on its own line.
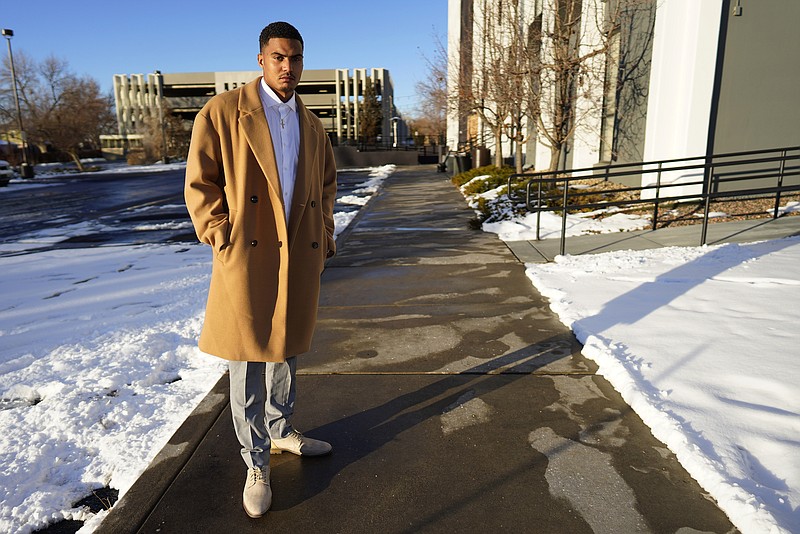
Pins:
<point x="524" y="228"/>
<point x="98" y="367"/>
<point x="353" y="199"/>
<point x="790" y="207"/>
<point x="377" y="176"/>
<point x="98" y="364"/>
<point x="701" y="342"/>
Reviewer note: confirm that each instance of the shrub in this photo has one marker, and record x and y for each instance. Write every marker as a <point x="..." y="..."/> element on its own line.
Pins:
<point x="494" y="206"/>
<point x="500" y="175"/>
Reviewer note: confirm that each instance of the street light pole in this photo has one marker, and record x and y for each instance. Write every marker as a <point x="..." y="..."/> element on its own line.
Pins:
<point x="26" y="170"/>
<point x="394" y="131"/>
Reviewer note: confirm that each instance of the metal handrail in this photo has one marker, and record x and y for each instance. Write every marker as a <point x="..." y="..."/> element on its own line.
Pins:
<point x="717" y="170"/>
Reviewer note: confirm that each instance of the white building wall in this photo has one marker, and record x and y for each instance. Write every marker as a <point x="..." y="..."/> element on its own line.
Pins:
<point x="681" y="84"/>
<point x="482" y="11"/>
<point x="453" y="69"/>
<point x="387" y="102"/>
<point x="684" y="54"/>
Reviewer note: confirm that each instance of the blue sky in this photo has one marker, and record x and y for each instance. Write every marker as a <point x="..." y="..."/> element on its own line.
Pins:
<point x="103" y="38"/>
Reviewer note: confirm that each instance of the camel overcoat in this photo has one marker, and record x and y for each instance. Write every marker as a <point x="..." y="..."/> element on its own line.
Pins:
<point x="265" y="276"/>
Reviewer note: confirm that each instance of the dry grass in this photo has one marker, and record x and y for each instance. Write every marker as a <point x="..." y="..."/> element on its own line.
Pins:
<point x="727" y="210"/>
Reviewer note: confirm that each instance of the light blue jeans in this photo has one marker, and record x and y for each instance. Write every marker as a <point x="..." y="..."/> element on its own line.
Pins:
<point x="262" y="400"/>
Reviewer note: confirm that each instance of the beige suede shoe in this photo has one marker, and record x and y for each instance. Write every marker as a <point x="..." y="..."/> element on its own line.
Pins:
<point x="257" y="495"/>
<point x="298" y="444"/>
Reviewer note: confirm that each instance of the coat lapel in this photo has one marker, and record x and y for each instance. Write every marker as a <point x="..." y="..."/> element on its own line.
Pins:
<point x="306" y="162"/>
<point x="256" y="130"/>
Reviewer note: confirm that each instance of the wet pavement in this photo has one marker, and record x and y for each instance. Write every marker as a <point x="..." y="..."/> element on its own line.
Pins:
<point x="453" y="397"/>
<point x="108" y="209"/>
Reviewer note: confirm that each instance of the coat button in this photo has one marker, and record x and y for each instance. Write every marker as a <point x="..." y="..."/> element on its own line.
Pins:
<point x="254" y="199"/>
<point x="313" y="203"/>
<point x="253" y="243"/>
<point x="314" y="245"/>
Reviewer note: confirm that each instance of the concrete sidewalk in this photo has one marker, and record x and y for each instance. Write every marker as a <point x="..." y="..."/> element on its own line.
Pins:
<point x="749" y="231"/>
<point x="454" y="399"/>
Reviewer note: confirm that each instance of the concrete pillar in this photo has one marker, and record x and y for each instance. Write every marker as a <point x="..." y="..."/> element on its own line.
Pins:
<point x="137" y="82"/>
<point x="341" y="75"/>
<point x="125" y="95"/>
<point x="118" y="103"/>
<point x="152" y="102"/>
<point x="347" y="104"/>
<point x="355" y="90"/>
<point x="387" y="105"/>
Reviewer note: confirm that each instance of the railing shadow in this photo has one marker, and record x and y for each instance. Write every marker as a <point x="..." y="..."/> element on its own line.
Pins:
<point x="361" y="434"/>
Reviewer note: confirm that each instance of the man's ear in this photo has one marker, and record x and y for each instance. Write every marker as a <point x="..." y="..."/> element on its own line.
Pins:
<point x="261" y="60"/>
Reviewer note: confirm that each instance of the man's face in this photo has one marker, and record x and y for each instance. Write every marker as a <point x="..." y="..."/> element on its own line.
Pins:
<point x="281" y="60"/>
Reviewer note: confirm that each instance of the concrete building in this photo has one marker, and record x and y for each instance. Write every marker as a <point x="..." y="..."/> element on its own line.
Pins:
<point x="336" y="96"/>
<point x="715" y="76"/>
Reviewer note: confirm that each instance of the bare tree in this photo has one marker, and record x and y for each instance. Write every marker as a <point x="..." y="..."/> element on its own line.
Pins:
<point x="179" y="134"/>
<point x="566" y="69"/>
<point x="60" y="109"/>
<point x="482" y="93"/>
<point x="521" y="71"/>
<point x="502" y="88"/>
<point x="430" y="121"/>
<point x="587" y="69"/>
<point x="627" y="79"/>
<point x="174" y="129"/>
<point x="541" y="68"/>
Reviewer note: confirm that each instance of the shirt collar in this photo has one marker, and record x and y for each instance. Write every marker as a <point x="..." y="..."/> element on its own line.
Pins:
<point x="271" y="99"/>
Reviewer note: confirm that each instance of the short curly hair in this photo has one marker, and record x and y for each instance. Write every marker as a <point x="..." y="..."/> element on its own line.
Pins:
<point x="278" y="30"/>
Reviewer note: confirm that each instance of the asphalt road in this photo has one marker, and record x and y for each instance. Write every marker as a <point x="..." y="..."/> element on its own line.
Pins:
<point x="105" y="208"/>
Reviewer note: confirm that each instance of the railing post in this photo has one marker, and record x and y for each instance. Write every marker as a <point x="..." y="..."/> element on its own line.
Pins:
<point x="538" y="209"/>
<point x="528" y="194"/>
<point x="658" y="193"/>
<point x="780" y="184"/>
<point x="564" y="216"/>
<point x="707" y="205"/>
<point x="538" y="202"/>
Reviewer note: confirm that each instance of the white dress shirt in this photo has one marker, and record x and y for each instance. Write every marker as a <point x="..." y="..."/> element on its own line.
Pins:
<point x="284" y="127"/>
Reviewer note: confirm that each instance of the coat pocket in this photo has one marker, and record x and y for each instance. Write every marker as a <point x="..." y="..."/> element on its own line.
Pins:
<point x="225" y="247"/>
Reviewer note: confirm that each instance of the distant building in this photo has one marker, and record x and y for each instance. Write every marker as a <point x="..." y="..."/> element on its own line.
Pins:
<point x="336" y="96"/>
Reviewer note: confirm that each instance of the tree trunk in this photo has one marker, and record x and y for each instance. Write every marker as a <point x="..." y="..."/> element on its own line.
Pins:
<point x="518" y="159"/>
<point x="77" y="160"/>
<point x="498" y="150"/>
<point x="555" y="157"/>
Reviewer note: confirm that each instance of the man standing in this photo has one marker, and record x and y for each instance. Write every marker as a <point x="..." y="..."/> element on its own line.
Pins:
<point x="260" y="188"/>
